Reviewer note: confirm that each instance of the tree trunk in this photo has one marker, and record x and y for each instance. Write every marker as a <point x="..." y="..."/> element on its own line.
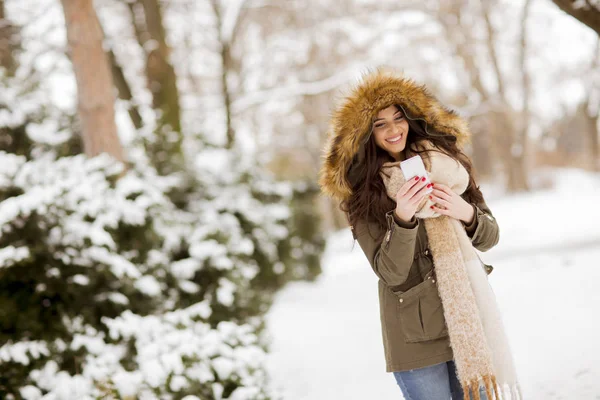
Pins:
<point x="8" y="42"/>
<point x="96" y="100"/>
<point x="593" y="114"/>
<point x="591" y="129"/>
<point x="226" y="62"/>
<point x="162" y="80"/>
<point x="124" y="90"/>
<point x="226" y="57"/>
<point x="513" y="138"/>
<point x="166" y="151"/>
<point x="491" y="44"/>
<point x="517" y="174"/>
<point x="520" y="167"/>
<point x="594" y="144"/>
<point x="458" y="32"/>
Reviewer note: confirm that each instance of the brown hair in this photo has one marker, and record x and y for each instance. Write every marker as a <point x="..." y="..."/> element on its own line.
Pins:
<point x="369" y="201"/>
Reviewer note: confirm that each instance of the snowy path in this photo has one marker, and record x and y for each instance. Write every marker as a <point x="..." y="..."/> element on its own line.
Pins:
<point x="326" y="335"/>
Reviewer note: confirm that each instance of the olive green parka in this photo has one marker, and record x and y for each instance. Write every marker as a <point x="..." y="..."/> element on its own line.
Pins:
<point x="413" y="326"/>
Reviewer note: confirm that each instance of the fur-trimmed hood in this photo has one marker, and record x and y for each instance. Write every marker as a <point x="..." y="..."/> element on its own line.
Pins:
<point x="351" y="122"/>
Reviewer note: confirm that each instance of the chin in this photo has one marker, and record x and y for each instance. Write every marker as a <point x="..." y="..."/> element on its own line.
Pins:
<point x="397" y="149"/>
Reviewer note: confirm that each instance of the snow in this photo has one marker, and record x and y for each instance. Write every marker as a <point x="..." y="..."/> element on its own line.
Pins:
<point x="83" y="209"/>
<point x="326" y="339"/>
<point x="31" y="393"/>
<point x="225" y="292"/>
<point x="120" y="266"/>
<point x="21" y="351"/>
<point x="11" y="255"/>
<point x="231" y="19"/>
<point x="81" y="280"/>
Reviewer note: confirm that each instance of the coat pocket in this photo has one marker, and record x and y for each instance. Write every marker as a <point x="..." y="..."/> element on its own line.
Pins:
<point x="420" y="312"/>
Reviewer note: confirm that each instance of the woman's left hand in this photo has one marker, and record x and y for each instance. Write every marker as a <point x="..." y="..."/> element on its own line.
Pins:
<point x="451" y="204"/>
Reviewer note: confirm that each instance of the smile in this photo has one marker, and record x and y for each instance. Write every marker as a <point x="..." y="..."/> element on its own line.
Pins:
<point x="394" y="139"/>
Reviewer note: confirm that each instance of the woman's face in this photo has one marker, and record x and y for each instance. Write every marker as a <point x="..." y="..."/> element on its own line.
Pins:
<point x="390" y="130"/>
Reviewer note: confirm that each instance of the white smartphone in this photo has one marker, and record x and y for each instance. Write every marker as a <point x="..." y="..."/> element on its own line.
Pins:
<point x="414" y="166"/>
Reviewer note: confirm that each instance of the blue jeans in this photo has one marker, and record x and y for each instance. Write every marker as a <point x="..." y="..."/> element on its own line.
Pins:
<point x="437" y="382"/>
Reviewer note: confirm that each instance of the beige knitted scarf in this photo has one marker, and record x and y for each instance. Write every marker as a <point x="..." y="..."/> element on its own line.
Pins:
<point x="481" y="351"/>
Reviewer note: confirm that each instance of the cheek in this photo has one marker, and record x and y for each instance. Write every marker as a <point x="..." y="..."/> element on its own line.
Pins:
<point x="405" y="125"/>
<point x="379" y="141"/>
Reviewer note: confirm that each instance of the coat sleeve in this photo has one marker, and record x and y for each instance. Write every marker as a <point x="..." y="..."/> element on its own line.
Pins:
<point x="391" y="253"/>
<point x="483" y="231"/>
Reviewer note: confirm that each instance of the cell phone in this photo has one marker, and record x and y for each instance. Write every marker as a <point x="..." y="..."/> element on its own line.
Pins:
<point x="414" y="166"/>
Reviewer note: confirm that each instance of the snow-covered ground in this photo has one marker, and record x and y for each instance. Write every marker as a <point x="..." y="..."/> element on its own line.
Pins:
<point x="326" y="335"/>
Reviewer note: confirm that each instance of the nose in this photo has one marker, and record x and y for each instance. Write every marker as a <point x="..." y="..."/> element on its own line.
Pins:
<point x="395" y="129"/>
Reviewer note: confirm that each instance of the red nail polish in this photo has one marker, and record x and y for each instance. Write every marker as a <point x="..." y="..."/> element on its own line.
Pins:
<point x="430" y="185"/>
<point x="431" y="197"/>
<point x="416" y="178"/>
<point x="423" y="179"/>
<point x="431" y="207"/>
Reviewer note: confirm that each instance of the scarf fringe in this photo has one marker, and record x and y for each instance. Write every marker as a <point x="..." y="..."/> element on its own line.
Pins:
<point x="492" y="390"/>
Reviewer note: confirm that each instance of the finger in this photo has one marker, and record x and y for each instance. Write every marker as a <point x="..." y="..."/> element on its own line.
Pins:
<point x="422" y="189"/>
<point x="409" y="184"/>
<point x="442" y="195"/>
<point x="440" y="210"/>
<point x="420" y="185"/>
<point x="444" y="188"/>
<point x="440" y="201"/>
<point x="419" y="196"/>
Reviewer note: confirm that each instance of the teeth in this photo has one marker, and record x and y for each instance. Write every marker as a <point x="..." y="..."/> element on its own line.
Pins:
<point x="395" y="140"/>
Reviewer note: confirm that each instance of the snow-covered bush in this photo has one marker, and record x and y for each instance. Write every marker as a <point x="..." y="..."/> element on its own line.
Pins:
<point x="264" y="217"/>
<point x="125" y="284"/>
<point x="91" y="289"/>
<point x="29" y="124"/>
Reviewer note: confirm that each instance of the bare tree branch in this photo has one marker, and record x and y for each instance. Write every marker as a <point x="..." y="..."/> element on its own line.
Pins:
<point x="124" y="90"/>
<point x="226" y="61"/>
<point x="491" y="39"/>
<point x="231" y="19"/>
<point x="588" y="15"/>
<point x="522" y="137"/>
<point x="460" y="37"/>
<point x="300" y="89"/>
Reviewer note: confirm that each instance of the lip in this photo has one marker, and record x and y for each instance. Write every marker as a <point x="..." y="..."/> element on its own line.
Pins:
<point x="399" y="138"/>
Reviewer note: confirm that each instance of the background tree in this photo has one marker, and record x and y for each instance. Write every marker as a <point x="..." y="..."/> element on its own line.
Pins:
<point x="94" y="81"/>
<point x="9" y="41"/>
<point x="165" y="145"/>
<point x="104" y="251"/>
<point x="585" y="11"/>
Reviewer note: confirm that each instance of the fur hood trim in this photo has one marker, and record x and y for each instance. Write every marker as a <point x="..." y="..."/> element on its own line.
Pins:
<point x="351" y="122"/>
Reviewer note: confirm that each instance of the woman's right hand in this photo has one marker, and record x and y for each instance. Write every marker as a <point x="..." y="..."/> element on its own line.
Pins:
<point x="409" y="197"/>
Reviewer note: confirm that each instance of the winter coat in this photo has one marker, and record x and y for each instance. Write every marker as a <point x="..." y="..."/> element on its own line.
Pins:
<point x="412" y="321"/>
<point x="413" y="326"/>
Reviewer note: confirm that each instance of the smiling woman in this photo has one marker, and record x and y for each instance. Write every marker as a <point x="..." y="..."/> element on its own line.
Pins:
<point x="442" y="332"/>
<point x="390" y="130"/>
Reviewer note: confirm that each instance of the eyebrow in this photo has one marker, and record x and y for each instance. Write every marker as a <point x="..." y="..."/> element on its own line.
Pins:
<point x="381" y="119"/>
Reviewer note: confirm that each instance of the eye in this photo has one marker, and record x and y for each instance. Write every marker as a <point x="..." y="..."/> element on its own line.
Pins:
<point x="379" y="125"/>
<point x="399" y="117"/>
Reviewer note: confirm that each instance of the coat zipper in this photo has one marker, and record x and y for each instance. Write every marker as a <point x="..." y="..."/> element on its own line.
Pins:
<point x="387" y="238"/>
<point x="388" y="234"/>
